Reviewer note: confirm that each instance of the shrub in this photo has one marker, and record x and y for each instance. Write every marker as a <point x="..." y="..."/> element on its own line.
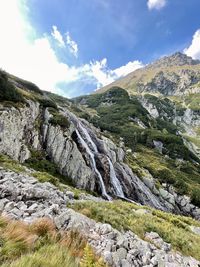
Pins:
<point x="195" y="197"/>
<point x="7" y="90"/>
<point x="47" y="103"/>
<point x="28" y="85"/>
<point x="165" y="176"/>
<point x="59" y="119"/>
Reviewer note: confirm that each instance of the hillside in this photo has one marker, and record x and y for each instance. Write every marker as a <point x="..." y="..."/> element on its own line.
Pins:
<point x="177" y="74"/>
<point x="118" y="172"/>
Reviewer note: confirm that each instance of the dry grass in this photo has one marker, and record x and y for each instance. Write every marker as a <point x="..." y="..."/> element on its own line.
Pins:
<point x="40" y="245"/>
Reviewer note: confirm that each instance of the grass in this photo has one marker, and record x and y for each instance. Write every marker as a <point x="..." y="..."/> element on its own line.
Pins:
<point x="185" y="176"/>
<point x="11" y="164"/>
<point x="41" y="245"/>
<point x="121" y="215"/>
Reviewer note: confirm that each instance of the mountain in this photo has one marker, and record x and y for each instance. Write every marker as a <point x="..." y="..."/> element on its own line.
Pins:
<point x="119" y="167"/>
<point x="177" y="74"/>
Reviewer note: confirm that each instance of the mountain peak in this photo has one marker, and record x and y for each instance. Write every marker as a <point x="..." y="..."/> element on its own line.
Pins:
<point x="176" y="59"/>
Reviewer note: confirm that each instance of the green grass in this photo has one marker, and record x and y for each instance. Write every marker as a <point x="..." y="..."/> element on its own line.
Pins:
<point x="40" y="245"/>
<point x="11" y="164"/>
<point x="121" y="215"/>
<point x="185" y="176"/>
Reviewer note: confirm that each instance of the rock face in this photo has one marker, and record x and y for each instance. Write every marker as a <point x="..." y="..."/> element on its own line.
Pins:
<point x="22" y="197"/>
<point x="92" y="161"/>
<point x="18" y="130"/>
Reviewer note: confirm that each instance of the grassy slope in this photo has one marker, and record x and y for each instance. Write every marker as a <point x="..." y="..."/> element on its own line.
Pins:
<point x="39" y="244"/>
<point x="123" y="216"/>
<point x="144" y="75"/>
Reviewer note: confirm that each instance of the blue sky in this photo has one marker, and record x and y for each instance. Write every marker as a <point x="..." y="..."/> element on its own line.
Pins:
<point x="72" y="47"/>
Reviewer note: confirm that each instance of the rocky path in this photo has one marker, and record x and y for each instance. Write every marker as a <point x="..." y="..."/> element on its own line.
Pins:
<point x="22" y="197"/>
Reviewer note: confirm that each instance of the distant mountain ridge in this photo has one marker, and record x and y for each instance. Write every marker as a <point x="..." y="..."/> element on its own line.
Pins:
<point x="171" y="75"/>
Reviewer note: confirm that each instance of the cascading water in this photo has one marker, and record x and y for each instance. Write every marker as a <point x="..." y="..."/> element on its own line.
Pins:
<point x="90" y="153"/>
<point x="87" y="137"/>
<point x="114" y="180"/>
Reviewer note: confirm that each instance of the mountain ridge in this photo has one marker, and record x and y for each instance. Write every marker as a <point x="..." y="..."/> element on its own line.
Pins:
<point x="175" y="71"/>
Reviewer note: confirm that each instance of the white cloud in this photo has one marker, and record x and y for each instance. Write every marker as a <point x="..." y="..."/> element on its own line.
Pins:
<point x="194" y="49"/>
<point x="126" y="69"/>
<point x="73" y="47"/>
<point x="156" y="4"/>
<point x="58" y="36"/>
<point x="25" y="55"/>
<point x="104" y="76"/>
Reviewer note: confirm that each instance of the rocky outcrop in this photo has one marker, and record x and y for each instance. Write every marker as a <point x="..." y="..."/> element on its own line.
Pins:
<point x="18" y="130"/>
<point x="22" y="197"/>
<point x="91" y="161"/>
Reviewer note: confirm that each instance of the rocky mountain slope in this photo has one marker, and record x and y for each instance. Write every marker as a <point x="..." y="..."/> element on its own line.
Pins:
<point x="140" y="146"/>
<point x="177" y="74"/>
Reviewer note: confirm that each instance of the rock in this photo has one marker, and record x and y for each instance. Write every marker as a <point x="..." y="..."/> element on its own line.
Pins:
<point x="142" y="212"/>
<point x="158" y="241"/>
<point x="125" y="263"/>
<point x="108" y="257"/>
<point x="195" y="229"/>
<point x="158" y="146"/>
<point x="62" y="220"/>
<point x="69" y="194"/>
<point x="117" y="248"/>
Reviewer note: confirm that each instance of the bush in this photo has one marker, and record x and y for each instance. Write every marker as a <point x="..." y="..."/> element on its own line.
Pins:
<point x="165" y="176"/>
<point x="7" y="90"/>
<point x="28" y="85"/>
<point x="47" y="103"/>
<point x="59" y="119"/>
<point x="195" y="197"/>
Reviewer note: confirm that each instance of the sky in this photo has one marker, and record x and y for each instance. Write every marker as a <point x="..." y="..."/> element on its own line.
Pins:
<point x="73" y="47"/>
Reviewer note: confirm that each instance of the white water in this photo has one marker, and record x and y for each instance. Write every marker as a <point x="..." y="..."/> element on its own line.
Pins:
<point x="87" y="137"/>
<point x="84" y="144"/>
<point x="114" y="180"/>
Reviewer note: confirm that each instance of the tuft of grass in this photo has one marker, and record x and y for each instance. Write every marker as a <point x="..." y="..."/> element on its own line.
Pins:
<point x="121" y="215"/>
<point x="40" y="245"/>
<point x="11" y="164"/>
<point x="47" y="256"/>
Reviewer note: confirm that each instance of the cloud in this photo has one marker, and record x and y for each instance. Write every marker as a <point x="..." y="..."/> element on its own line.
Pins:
<point x="58" y="36"/>
<point x="194" y="49"/>
<point x="156" y="4"/>
<point x="99" y="71"/>
<point x="26" y="56"/>
<point x="73" y="47"/>
<point x="30" y="57"/>
<point x="129" y="67"/>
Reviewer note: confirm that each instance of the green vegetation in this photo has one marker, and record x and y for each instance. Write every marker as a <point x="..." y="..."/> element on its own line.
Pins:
<point x="121" y="215"/>
<point x="26" y="85"/>
<point x="8" y="92"/>
<point x="58" y="119"/>
<point x="47" y="103"/>
<point x="118" y="114"/>
<point x="38" y="161"/>
<point x="184" y="175"/>
<point x="39" y="244"/>
<point x="11" y="164"/>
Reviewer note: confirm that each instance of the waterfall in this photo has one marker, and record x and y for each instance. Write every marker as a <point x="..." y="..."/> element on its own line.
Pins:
<point x="89" y="152"/>
<point x="114" y="180"/>
<point x="87" y="137"/>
